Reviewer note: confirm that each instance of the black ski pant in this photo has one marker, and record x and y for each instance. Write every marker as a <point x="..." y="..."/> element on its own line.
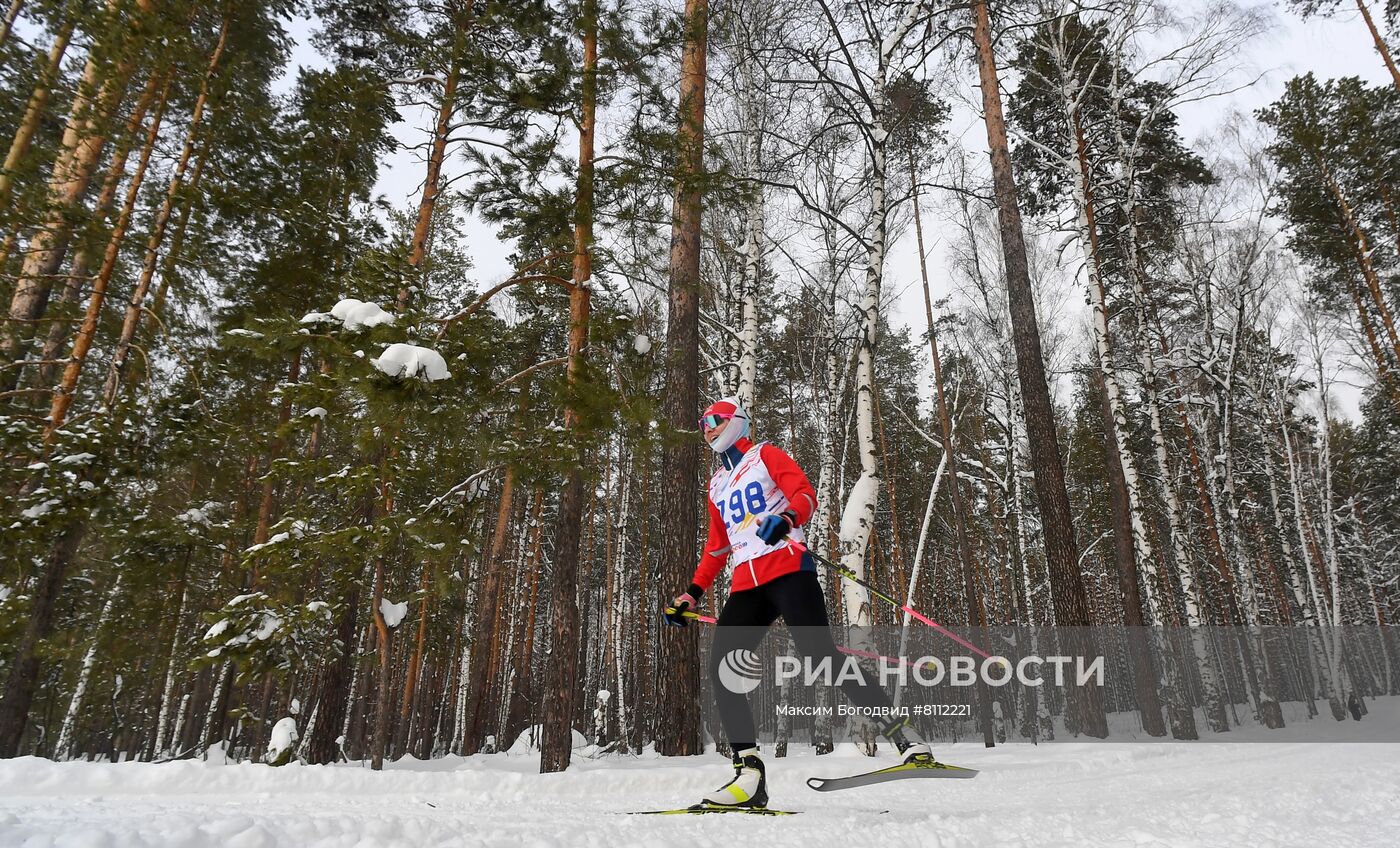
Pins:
<point x="742" y="624"/>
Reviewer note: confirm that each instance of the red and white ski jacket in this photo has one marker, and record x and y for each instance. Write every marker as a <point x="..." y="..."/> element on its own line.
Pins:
<point x="754" y="481"/>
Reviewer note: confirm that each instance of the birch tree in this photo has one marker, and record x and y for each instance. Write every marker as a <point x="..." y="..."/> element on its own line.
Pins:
<point x="870" y="46"/>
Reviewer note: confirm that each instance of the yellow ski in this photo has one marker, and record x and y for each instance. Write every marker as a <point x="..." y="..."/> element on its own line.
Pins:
<point x="700" y="809"/>
<point x="903" y="771"/>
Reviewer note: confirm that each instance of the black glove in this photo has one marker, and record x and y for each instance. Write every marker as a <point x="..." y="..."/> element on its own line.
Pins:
<point x="687" y="600"/>
<point x="774" y="528"/>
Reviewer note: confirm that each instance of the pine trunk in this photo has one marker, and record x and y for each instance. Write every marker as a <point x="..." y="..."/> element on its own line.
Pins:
<point x="274" y="452"/>
<point x="556" y="746"/>
<point x="335" y="687"/>
<point x="418" y="247"/>
<point x="24" y="665"/>
<point x="679" y="700"/>
<point x="77" y="275"/>
<point x="1067" y="585"/>
<point x="80" y="151"/>
<point x="1129" y="534"/>
<point x="486" y="644"/>
<point x="64" y="393"/>
<point x="156" y="314"/>
<point x="134" y="308"/>
<point x="384" y="650"/>
<point x="8" y="24"/>
<point x="34" y="111"/>
<point x="1362" y="250"/>
<point x="1379" y="41"/>
<point x="19" y="687"/>
<point x="415" y="664"/>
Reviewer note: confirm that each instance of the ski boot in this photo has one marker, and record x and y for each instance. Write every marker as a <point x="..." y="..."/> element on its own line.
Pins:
<point x="914" y="750"/>
<point x="748" y="789"/>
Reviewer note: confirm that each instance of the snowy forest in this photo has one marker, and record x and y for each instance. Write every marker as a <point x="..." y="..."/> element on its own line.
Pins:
<point x="285" y="474"/>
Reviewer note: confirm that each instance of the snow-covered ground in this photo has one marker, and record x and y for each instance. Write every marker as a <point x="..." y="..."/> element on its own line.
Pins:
<point x="1209" y="795"/>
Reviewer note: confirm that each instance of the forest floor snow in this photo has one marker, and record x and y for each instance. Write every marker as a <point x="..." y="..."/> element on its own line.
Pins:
<point x="1208" y="794"/>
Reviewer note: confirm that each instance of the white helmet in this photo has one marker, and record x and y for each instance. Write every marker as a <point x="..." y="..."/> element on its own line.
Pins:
<point x="732" y="410"/>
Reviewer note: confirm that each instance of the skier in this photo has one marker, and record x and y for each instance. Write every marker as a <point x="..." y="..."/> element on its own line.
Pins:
<point x="759" y="501"/>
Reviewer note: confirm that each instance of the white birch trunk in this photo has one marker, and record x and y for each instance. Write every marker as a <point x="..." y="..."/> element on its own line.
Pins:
<point x="75" y="704"/>
<point x="826" y="479"/>
<point x="858" y="516"/>
<point x="619" y="661"/>
<point x="1185" y="571"/>
<point x="510" y="642"/>
<point x="1129" y="154"/>
<point x="1367" y="552"/>
<point x="753" y="248"/>
<point x="459" y="717"/>
<point x="918" y="564"/>
<point x="180" y="719"/>
<point x="167" y="692"/>
<point x="1332" y="684"/>
<point x="1290" y="562"/>
<point x="1219" y="483"/>
<point x="1078" y="179"/>
<point x="214" y="706"/>
<point x="310" y="728"/>
<point x="1339" y="671"/>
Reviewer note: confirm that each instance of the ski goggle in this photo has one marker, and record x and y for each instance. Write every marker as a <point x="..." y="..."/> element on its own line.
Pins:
<point x="713" y="420"/>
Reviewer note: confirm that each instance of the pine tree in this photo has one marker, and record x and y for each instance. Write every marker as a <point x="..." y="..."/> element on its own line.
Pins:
<point x="1336" y="146"/>
<point x="1071" y="605"/>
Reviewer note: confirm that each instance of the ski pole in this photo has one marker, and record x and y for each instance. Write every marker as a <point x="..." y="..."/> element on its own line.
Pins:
<point x="855" y="652"/>
<point x="851" y="576"/>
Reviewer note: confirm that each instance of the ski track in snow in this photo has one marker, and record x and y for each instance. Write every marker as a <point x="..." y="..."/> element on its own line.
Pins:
<point x="1062" y="794"/>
